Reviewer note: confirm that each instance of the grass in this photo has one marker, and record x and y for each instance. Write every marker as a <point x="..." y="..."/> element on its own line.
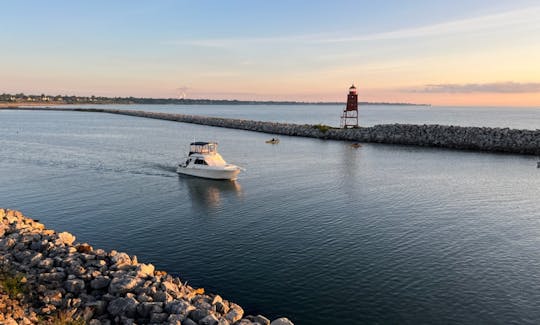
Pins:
<point x="63" y="318"/>
<point x="322" y="127"/>
<point x="14" y="285"/>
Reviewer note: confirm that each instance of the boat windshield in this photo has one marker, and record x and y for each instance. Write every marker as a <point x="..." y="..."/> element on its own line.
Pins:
<point x="203" y="148"/>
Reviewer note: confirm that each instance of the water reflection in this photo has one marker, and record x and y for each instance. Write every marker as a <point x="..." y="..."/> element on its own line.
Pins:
<point x="207" y="193"/>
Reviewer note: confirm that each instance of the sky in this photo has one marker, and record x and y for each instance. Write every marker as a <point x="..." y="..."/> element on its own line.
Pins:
<point x="466" y="53"/>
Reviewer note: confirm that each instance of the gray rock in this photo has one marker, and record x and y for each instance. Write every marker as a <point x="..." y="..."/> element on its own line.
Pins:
<point x="158" y="317"/>
<point x="100" y="282"/>
<point x="119" y="259"/>
<point x="123" y="307"/>
<point x="143" y="297"/>
<point x="235" y="313"/>
<point x="174" y="319"/>
<point x="209" y="320"/>
<point x="127" y="321"/>
<point x="216" y="299"/>
<point x="199" y="314"/>
<point x="281" y="321"/>
<point x="188" y="321"/>
<point x="36" y="259"/>
<point x="162" y="296"/>
<point x="46" y="264"/>
<point x="178" y="307"/>
<point x="144" y="309"/>
<point x="65" y="238"/>
<point x="77" y="270"/>
<point x="99" y="306"/>
<point x="52" y="277"/>
<point x="74" y="286"/>
<point x="144" y="270"/>
<point x="201" y="304"/>
<point x="244" y="321"/>
<point x="7" y="243"/>
<point x="53" y="297"/>
<point x="171" y="288"/>
<point x="222" y="308"/>
<point x="223" y="321"/>
<point x="259" y="319"/>
<point x="122" y="285"/>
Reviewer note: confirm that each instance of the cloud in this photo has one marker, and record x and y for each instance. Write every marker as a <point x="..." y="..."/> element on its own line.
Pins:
<point x="522" y="17"/>
<point x="493" y="21"/>
<point x="494" y="87"/>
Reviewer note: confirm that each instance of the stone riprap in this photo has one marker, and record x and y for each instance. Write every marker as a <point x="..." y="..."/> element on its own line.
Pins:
<point x="62" y="277"/>
<point x="452" y="137"/>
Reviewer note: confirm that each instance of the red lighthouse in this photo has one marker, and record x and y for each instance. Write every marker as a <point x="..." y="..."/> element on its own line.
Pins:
<point x="349" y="118"/>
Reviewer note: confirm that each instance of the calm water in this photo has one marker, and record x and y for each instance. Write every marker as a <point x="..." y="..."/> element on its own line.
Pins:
<point x="314" y="230"/>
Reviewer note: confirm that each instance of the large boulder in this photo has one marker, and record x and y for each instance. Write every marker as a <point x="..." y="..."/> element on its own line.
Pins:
<point x="144" y="270"/>
<point x="178" y="307"/>
<point x="65" y="238"/>
<point x="281" y="321"/>
<point x="123" y="285"/>
<point x="209" y="320"/>
<point x="259" y="319"/>
<point x="123" y="307"/>
<point x="75" y="286"/>
<point x="100" y="282"/>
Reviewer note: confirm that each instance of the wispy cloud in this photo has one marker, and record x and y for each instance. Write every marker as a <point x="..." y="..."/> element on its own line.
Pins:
<point x="494" y="87"/>
<point x="493" y="21"/>
<point x="523" y="17"/>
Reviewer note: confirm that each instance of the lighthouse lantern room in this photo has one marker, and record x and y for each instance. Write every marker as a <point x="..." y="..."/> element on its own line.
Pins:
<point x="349" y="117"/>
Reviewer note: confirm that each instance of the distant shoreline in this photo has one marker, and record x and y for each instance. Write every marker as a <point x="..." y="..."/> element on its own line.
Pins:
<point x="32" y="100"/>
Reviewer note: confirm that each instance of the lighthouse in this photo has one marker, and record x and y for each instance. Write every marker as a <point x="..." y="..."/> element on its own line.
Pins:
<point x="349" y="117"/>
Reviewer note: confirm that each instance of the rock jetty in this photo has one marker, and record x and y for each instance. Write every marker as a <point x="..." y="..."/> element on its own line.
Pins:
<point x="442" y="136"/>
<point x="47" y="277"/>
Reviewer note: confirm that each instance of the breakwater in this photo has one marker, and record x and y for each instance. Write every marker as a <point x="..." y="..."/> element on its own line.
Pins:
<point x="46" y="276"/>
<point x="442" y="136"/>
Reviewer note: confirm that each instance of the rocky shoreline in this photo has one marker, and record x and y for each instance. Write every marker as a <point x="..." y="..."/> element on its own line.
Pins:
<point x="442" y="136"/>
<point x="46" y="277"/>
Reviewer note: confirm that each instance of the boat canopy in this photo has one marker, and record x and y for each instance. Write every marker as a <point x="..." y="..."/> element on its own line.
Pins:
<point x="203" y="147"/>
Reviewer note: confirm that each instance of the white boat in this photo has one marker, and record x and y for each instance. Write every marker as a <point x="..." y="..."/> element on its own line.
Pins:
<point x="204" y="161"/>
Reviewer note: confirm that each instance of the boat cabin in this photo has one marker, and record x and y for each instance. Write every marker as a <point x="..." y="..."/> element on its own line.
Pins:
<point x="203" y="154"/>
<point x="203" y="148"/>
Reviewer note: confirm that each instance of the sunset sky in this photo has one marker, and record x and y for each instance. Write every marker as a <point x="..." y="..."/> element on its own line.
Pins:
<point x="474" y="52"/>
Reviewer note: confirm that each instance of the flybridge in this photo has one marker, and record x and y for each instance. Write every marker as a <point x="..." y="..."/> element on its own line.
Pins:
<point x="203" y="147"/>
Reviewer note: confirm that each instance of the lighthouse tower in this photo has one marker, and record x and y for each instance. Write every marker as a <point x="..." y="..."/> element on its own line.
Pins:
<point x="349" y="118"/>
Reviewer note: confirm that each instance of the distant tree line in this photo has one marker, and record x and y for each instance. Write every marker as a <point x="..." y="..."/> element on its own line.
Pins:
<point x="69" y="99"/>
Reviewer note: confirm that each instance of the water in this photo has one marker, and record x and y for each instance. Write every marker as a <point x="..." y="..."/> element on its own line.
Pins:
<point x="314" y="230"/>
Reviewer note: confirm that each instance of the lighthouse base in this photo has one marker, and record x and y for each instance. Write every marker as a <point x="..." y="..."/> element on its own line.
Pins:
<point x="349" y="119"/>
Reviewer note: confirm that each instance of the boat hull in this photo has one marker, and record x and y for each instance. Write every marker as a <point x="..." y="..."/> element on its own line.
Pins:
<point x="223" y="174"/>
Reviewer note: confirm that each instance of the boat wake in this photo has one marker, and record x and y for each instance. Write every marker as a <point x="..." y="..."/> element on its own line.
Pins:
<point x="146" y="169"/>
